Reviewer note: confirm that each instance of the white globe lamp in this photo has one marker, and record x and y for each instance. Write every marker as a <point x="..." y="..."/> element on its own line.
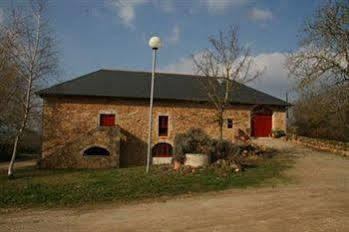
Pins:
<point x="155" y="42"/>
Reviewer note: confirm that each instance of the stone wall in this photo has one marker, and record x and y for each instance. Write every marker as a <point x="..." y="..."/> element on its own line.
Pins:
<point x="71" y="153"/>
<point x="337" y="147"/>
<point x="66" y="118"/>
<point x="279" y="119"/>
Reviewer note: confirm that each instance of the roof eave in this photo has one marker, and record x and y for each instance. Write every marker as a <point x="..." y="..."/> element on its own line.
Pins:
<point x="44" y="94"/>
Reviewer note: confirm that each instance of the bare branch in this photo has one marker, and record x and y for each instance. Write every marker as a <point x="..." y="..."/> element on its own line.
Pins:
<point x="223" y="68"/>
<point x="324" y="52"/>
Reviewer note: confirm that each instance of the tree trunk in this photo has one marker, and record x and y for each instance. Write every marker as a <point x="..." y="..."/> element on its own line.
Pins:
<point x="20" y="131"/>
<point x="13" y="158"/>
<point x="220" y="123"/>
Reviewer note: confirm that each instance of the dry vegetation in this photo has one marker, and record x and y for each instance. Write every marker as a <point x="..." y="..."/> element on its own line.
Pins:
<point x="321" y="67"/>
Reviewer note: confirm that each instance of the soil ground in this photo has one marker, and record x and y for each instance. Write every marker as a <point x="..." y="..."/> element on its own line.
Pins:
<point x="317" y="200"/>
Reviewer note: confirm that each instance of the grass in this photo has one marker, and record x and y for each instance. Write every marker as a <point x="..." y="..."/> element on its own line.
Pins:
<point x="60" y="188"/>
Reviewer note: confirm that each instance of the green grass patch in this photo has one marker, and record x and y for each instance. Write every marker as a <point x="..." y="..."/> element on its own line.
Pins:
<point x="56" y="188"/>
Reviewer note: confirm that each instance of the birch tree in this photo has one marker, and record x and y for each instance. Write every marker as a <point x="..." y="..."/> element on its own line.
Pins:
<point x="222" y="69"/>
<point x="9" y="89"/>
<point x="35" y="57"/>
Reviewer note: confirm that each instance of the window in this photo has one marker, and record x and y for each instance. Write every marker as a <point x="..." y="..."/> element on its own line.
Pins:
<point x="96" y="151"/>
<point x="230" y="123"/>
<point x="107" y="120"/>
<point x="162" y="150"/>
<point x="163" y="125"/>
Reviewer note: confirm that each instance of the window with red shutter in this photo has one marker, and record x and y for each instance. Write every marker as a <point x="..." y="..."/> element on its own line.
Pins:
<point x="107" y="120"/>
<point x="163" y="125"/>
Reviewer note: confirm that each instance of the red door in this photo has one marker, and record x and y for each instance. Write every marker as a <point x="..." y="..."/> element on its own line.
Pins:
<point x="261" y="125"/>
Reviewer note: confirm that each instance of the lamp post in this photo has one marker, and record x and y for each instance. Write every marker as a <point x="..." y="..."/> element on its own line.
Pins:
<point x="155" y="44"/>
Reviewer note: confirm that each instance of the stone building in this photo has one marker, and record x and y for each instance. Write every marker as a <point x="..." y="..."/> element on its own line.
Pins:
<point x="101" y="119"/>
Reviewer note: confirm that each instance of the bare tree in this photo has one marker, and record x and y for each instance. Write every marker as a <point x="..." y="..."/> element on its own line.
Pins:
<point x="324" y="46"/>
<point x="223" y="67"/>
<point x="35" y="57"/>
<point x="322" y="113"/>
<point x="321" y="65"/>
<point x="10" y="87"/>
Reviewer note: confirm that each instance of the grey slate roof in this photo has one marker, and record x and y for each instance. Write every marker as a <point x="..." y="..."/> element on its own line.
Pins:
<point x="135" y="84"/>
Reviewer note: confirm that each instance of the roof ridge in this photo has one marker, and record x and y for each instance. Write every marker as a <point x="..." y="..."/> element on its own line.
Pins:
<point x="142" y="71"/>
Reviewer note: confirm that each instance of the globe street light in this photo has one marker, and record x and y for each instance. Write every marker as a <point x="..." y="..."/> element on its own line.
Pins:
<point x="155" y="44"/>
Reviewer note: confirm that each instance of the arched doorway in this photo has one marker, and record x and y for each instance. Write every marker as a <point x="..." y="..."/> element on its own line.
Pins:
<point x="261" y="121"/>
<point x="162" y="150"/>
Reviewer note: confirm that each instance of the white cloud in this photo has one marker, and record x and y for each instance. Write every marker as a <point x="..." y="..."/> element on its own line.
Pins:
<point x="218" y="6"/>
<point x="183" y="65"/>
<point x="125" y="10"/>
<point x="260" y="15"/>
<point x="274" y="80"/>
<point x="174" y="37"/>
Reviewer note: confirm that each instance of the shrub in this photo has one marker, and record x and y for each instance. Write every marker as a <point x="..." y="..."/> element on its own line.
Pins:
<point x="278" y="133"/>
<point x="196" y="141"/>
<point x="7" y="148"/>
<point x="5" y="151"/>
<point x="222" y="149"/>
<point x="193" y="141"/>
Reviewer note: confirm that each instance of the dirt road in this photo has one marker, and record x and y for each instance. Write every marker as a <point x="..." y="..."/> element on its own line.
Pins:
<point x="317" y="201"/>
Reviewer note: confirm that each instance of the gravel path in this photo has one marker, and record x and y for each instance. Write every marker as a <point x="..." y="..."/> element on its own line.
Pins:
<point x="317" y="201"/>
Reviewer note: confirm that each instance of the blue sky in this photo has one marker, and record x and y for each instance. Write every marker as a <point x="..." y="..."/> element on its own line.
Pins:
<point x="96" y="34"/>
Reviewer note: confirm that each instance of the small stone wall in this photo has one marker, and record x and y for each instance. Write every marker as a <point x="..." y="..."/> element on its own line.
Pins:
<point x="337" y="147"/>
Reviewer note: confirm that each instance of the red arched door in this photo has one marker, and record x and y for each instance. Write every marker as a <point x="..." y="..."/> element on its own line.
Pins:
<point x="162" y="150"/>
<point x="261" y="122"/>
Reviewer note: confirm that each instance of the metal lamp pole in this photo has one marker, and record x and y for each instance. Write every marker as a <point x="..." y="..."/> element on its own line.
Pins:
<point x="154" y="43"/>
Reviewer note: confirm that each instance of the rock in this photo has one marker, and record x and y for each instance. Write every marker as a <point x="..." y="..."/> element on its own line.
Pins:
<point x="234" y="166"/>
<point x="176" y="165"/>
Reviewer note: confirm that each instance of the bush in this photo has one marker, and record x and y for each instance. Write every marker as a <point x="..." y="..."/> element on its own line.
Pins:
<point x="278" y="133"/>
<point x="5" y="151"/>
<point x="193" y="141"/>
<point x="7" y="148"/>
<point x="222" y="149"/>
<point x="197" y="141"/>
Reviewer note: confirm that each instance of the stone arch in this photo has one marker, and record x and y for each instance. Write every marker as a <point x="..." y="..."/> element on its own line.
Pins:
<point x="96" y="150"/>
<point x="162" y="150"/>
<point x="261" y="109"/>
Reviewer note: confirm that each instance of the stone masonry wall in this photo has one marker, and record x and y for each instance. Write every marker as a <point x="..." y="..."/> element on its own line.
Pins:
<point x="279" y="119"/>
<point x="71" y="153"/>
<point x="65" y="118"/>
